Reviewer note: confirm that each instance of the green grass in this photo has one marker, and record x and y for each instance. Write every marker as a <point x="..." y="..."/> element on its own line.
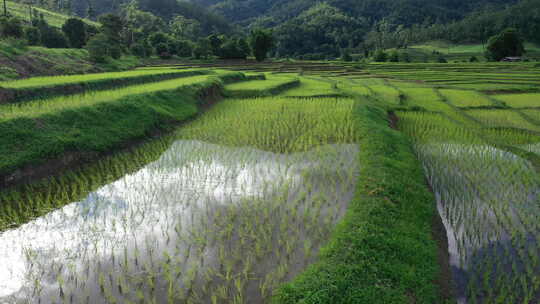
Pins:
<point x="531" y="100"/>
<point x="37" y="131"/>
<point x="37" y="108"/>
<point x="53" y="18"/>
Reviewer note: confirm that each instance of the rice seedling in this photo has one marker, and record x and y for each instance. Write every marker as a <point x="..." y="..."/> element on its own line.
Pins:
<point x="312" y="87"/>
<point x="219" y="216"/>
<point x="503" y="118"/>
<point x="64" y="103"/>
<point x="47" y="81"/>
<point x="488" y="200"/>
<point x="271" y="85"/>
<point x="530" y="100"/>
<point x="463" y="98"/>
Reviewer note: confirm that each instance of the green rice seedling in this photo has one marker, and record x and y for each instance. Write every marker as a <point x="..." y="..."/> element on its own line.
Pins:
<point x="503" y="118"/>
<point x="312" y="87"/>
<point x="36" y="108"/>
<point x="269" y="86"/>
<point x="530" y="100"/>
<point x="485" y="197"/>
<point x="464" y="98"/>
<point x="199" y="219"/>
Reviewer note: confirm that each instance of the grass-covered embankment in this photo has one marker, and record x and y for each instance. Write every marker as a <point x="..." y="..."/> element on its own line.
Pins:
<point x="43" y="87"/>
<point x="57" y="136"/>
<point x="383" y="250"/>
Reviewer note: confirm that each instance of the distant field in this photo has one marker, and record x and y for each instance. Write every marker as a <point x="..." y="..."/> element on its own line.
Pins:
<point x="429" y="52"/>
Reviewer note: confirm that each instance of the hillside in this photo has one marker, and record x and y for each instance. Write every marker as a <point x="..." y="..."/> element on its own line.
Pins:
<point x="17" y="8"/>
<point x="401" y="12"/>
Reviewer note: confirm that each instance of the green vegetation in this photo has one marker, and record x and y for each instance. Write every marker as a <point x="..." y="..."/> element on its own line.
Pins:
<point x="40" y="130"/>
<point x="272" y="84"/>
<point x="44" y="87"/>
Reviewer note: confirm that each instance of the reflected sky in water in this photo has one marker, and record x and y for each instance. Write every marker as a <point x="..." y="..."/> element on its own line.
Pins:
<point x="168" y="224"/>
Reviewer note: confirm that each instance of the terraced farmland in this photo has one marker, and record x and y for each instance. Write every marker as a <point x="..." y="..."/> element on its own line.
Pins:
<point x="308" y="183"/>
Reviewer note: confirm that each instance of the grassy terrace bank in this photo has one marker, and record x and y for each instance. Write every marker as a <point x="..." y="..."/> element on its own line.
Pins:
<point x="383" y="250"/>
<point x="45" y="87"/>
<point x="38" y="138"/>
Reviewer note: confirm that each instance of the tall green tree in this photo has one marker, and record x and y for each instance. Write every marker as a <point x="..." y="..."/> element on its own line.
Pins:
<point x="75" y="31"/>
<point x="261" y="41"/>
<point x="506" y="44"/>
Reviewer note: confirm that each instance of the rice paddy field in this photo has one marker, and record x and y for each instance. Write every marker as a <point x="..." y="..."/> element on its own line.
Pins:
<point x="274" y="183"/>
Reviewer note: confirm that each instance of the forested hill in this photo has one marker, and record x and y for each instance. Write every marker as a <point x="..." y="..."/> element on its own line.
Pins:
<point x="404" y="12"/>
<point x="315" y="29"/>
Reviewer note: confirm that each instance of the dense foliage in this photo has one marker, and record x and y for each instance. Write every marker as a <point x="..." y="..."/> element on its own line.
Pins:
<point x="305" y="29"/>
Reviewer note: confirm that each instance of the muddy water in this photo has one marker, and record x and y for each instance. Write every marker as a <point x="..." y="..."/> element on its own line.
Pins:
<point x="489" y="202"/>
<point x="202" y="224"/>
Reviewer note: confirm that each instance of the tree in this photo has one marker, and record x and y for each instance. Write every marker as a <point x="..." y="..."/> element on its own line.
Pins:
<point x="157" y="38"/>
<point x="185" y="28"/>
<point x="506" y="44"/>
<point x="98" y="48"/>
<point x="33" y="35"/>
<point x="53" y="38"/>
<point x="112" y="26"/>
<point x="11" y="27"/>
<point x="261" y="42"/>
<point x="162" y="50"/>
<point x="75" y="31"/>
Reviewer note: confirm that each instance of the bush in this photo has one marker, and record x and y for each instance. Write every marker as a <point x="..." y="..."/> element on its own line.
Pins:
<point x="11" y="27"/>
<point x="380" y="56"/>
<point x="405" y="57"/>
<point x="53" y="38"/>
<point x="32" y="35"/>
<point x="441" y="59"/>
<point x="394" y="56"/>
<point x="473" y="59"/>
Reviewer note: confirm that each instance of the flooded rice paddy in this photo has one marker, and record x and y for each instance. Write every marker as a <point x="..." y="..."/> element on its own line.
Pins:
<point x="204" y="223"/>
<point x="489" y="202"/>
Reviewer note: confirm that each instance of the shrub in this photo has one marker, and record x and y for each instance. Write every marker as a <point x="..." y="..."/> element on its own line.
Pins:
<point x="380" y="56"/>
<point x="405" y="57"/>
<point x="11" y="27"/>
<point x="473" y="59"/>
<point x="441" y="59"/>
<point x="53" y="38"/>
<point x="32" y="35"/>
<point x="394" y="56"/>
